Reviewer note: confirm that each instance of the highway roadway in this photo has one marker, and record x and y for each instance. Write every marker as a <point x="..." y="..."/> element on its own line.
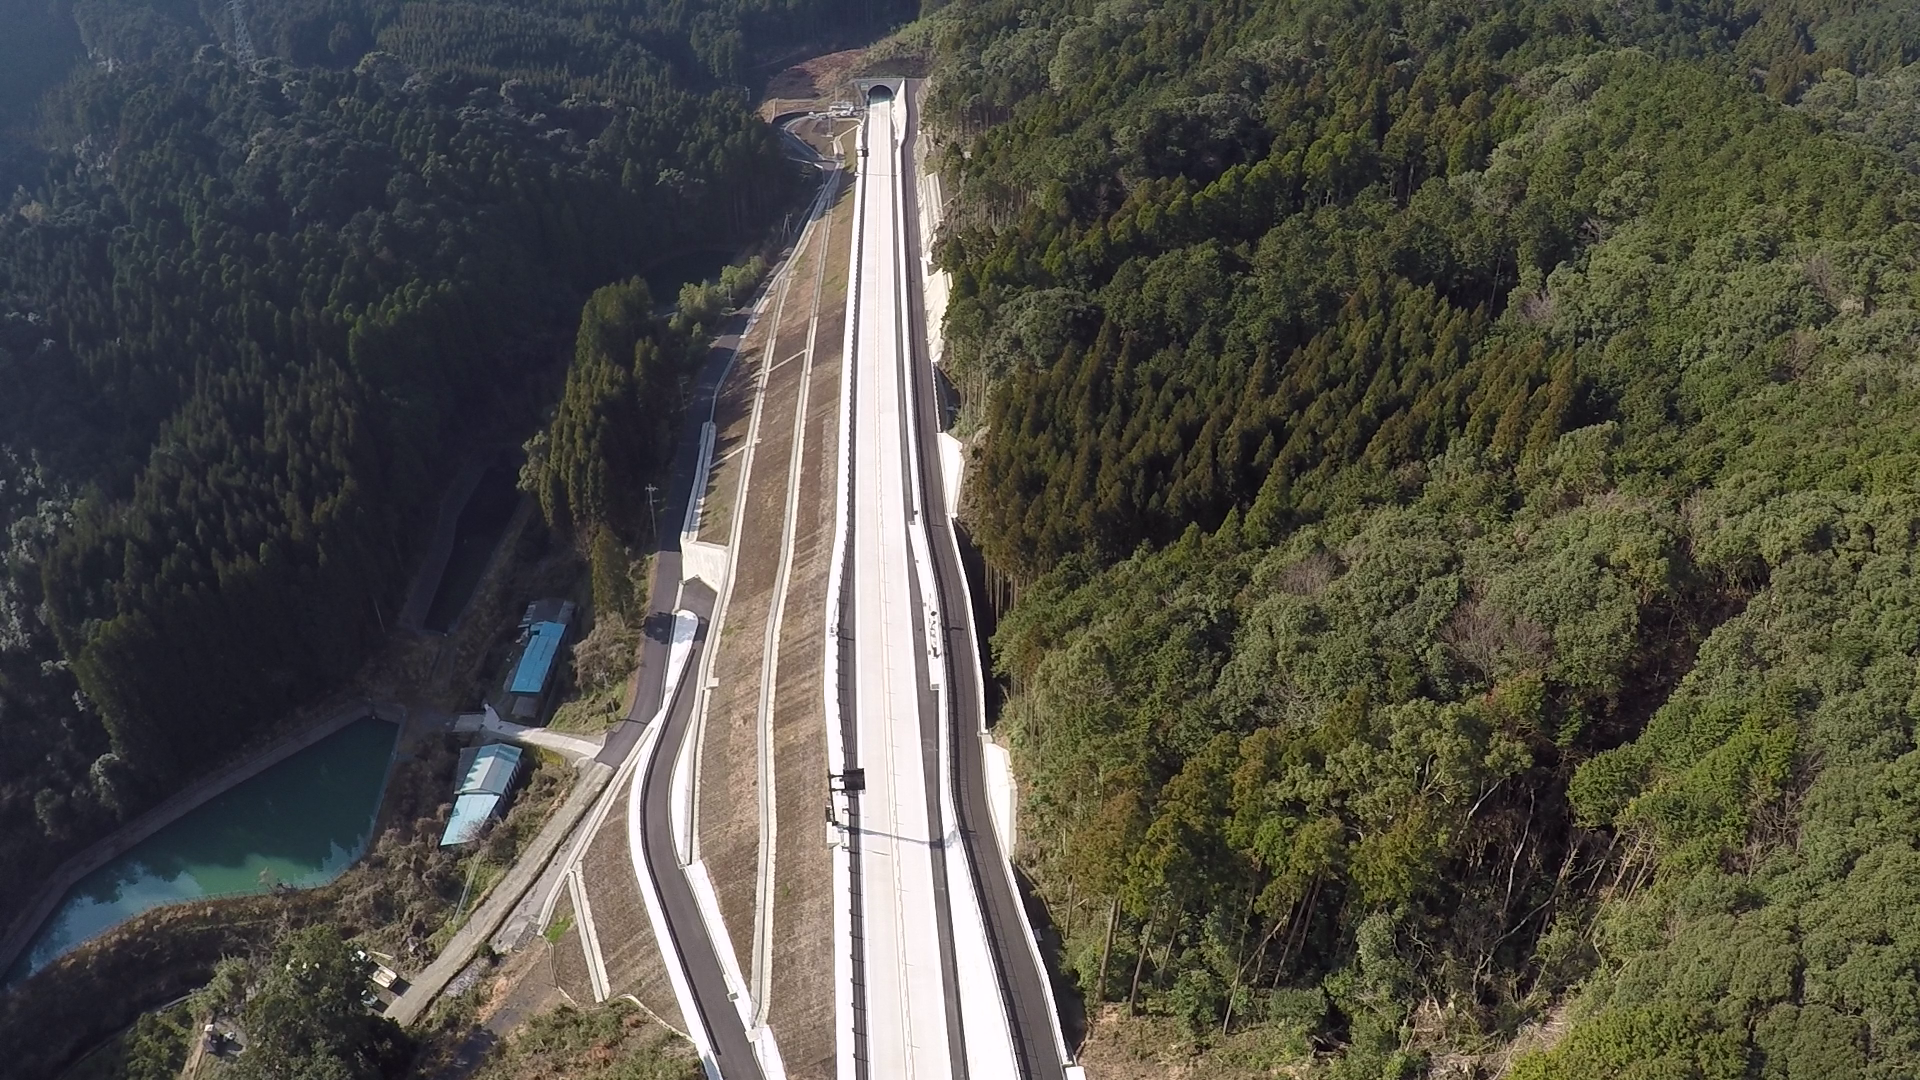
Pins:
<point x="717" y="1028"/>
<point x="943" y="976"/>
<point x="1024" y="984"/>
<point x="912" y="1026"/>
<point x="938" y="975"/>
<point x="668" y="692"/>
<point x="727" y="1050"/>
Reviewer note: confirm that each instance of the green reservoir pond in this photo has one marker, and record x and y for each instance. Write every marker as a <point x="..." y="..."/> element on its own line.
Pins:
<point x="300" y="823"/>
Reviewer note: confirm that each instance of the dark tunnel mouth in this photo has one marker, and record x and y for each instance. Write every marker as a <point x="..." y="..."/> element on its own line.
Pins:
<point x="881" y="92"/>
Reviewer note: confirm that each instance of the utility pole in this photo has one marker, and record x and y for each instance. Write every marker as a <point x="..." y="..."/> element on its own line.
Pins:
<point x="242" y="41"/>
<point x="653" y="514"/>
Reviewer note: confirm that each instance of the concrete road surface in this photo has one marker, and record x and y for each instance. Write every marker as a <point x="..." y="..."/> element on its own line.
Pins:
<point x="697" y="955"/>
<point x="1025" y="985"/>
<point x="913" y="1027"/>
<point x="945" y="979"/>
<point x="732" y="1050"/>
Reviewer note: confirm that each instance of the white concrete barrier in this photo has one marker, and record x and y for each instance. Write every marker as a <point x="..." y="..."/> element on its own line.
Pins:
<point x="845" y="1065"/>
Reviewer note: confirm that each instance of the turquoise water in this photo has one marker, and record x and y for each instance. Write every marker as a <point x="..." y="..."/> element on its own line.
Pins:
<point x="300" y="823"/>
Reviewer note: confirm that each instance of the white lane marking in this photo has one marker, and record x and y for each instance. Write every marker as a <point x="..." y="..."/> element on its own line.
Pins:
<point x="907" y="1000"/>
<point x="933" y="212"/>
<point x="838" y="803"/>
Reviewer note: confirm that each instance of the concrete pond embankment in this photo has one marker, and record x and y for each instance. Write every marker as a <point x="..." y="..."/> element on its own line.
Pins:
<point x="265" y="839"/>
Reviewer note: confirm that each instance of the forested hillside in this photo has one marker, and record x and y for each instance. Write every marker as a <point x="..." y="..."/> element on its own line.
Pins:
<point x="252" y="314"/>
<point x="1456" y="464"/>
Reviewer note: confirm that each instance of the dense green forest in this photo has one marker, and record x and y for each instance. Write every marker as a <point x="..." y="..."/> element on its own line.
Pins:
<point x="604" y="432"/>
<point x="1456" y="464"/>
<point x="264" y="284"/>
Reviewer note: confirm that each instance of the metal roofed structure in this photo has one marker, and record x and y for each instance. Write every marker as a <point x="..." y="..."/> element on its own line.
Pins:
<point x="470" y="815"/>
<point x="486" y="777"/>
<point x="533" y="670"/>
<point x="490" y="770"/>
<point x="536" y="661"/>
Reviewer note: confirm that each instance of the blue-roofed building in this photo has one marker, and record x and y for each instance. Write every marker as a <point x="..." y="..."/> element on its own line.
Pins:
<point x="470" y="816"/>
<point x="536" y="660"/>
<point x="535" y="666"/>
<point x="488" y="770"/>
<point x="486" y="779"/>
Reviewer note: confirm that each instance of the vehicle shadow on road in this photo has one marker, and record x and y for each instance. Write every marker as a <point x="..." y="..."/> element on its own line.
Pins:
<point x="658" y="626"/>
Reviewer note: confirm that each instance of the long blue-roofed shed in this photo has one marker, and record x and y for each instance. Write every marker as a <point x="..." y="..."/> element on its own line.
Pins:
<point x="534" y="667"/>
<point x="486" y="779"/>
<point x="536" y="660"/>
